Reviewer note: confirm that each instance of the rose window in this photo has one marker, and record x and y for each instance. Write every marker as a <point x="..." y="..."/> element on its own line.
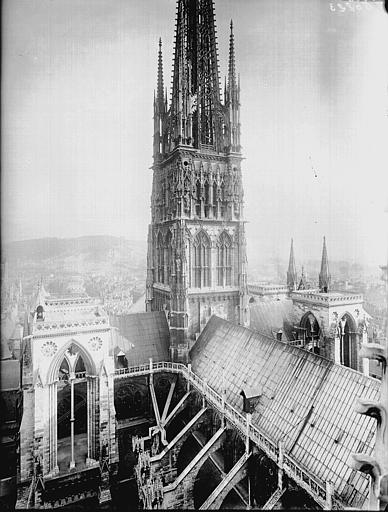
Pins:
<point x="95" y="343"/>
<point x="49" y="348"/>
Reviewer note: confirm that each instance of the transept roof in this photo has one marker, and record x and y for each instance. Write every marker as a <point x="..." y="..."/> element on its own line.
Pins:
<point x="307" y="401"/>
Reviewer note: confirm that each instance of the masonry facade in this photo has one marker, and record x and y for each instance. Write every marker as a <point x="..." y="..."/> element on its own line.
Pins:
<point x="68" y="422"/>
<point x="330" y="323"/>
<point x="196" y="263"/>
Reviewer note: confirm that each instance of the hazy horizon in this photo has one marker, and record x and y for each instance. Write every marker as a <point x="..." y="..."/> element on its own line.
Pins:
<point x="78" y="80"/>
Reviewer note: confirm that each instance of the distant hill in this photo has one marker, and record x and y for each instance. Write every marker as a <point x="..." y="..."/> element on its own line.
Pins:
<point x="85" y="250"/>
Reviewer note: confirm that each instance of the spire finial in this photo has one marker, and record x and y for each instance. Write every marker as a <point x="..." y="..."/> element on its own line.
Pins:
<point x="160" y="85"/>
<point x="232" y="64"/>
<point x="291" y="273"/>
<point x="324" y="275"/>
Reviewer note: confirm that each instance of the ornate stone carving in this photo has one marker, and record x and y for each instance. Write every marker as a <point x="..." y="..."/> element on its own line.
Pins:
<point x="95" y="343"/>
<point x="49" y="348"/>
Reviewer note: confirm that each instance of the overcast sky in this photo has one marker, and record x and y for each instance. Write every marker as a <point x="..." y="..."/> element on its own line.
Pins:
<point x="77" y="83"/>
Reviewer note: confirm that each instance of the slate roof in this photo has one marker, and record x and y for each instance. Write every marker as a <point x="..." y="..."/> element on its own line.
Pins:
<point x="141" y="336"/>
<point x="267" y="317"/>
<point x="307" y="400"/>
<point x="139" y="305"/>
<point x="9" y="375"/>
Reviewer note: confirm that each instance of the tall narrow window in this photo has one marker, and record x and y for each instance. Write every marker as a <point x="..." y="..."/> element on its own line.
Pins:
<point x="215" y="199"/>
<point x="198" y="198"/>
<point x="201" y="261"/>
<point x="224" y="260"/>
<point x="169" y="257"/>
<point x="160" y="258"/>
<point x="207" y="197"/>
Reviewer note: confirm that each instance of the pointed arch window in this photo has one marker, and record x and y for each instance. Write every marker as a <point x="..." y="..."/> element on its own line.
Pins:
<point x="348" y="344"/>
<point x="224" y="260"/>
<point x="201" y="261"/>
<point x="64" y="370"/>
<point x="168" y="257"/>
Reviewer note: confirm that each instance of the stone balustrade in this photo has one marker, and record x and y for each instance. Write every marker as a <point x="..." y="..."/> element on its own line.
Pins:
<point x="327" y="298"/>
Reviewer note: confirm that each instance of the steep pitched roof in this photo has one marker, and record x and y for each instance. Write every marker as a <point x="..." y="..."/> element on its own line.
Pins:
<point x="141" y="336"/>
<point x="267" y="317"/>
<point x="307" y="400"/>
<point x="9" y="375"/>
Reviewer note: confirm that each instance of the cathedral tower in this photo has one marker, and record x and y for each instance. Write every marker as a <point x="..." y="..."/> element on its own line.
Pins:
<point x="196" y="263"/>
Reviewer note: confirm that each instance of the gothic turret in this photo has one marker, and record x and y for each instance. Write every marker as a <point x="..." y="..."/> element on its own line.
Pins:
<point x="324" y="275"/>
<point x="232" y="102"/>
<point x="292" y="277"/>
<point x="160" y="108"/>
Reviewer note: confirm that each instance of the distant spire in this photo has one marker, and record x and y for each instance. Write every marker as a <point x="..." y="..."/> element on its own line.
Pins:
<point x="160" y="84"/>
<point x="291" y="272"/>
<point x="41" y="294"/>
<point x="324" y="275"/>
<point x="232" y="63"/>
<point x="302" y="283"/>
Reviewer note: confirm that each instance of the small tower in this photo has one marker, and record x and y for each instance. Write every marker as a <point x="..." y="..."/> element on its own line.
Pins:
<point x="324" y="275"/>
<point x="232" y="102"/>
<point x="159" y="108"/>
<point x="292" y="277"/>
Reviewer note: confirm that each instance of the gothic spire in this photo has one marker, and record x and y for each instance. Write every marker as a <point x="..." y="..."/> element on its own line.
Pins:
<point x="232" y="63"/>
<point x="324" y="275"/>
<point x="291" y="272"/>
<point x="195" y="88"/>
<point x="232" y="101"/>
<point x="160" y="109"/>
<point x="160" y="84"/>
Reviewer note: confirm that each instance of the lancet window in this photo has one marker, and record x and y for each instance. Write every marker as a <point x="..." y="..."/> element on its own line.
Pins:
<point x="224" y="260"/>
<point x="160" y="258"/>
<point x="201" y="260"/>
<point x="347" y="331"/>
<point x="168" y="257"/>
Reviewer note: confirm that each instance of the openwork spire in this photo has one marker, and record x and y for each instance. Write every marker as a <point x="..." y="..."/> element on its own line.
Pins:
<point x="324" y="275"/>
<point x="291" y="272"/>
<point x="195" y="107"/>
